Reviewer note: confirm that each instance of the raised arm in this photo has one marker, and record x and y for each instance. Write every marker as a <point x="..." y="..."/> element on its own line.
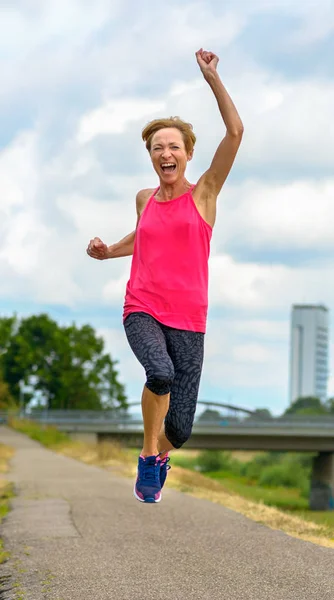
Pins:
<point x="223" y="159"/>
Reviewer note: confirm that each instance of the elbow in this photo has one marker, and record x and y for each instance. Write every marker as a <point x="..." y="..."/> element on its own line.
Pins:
<point x="236" y="132"/>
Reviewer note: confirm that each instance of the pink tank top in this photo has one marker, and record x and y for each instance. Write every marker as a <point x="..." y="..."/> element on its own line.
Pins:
<point x="169" y="271"/>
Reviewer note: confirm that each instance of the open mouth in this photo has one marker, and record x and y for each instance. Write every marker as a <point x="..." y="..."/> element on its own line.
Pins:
<point x="168" y="167"/>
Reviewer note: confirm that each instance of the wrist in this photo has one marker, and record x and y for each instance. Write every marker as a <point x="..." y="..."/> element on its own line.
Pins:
<point x="211" y="77"/>
<point x="111" y="251"/>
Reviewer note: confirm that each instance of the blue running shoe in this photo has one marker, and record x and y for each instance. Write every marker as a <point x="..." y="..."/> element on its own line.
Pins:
<point x="164" y="468"/>
<point x="147" y="487"/>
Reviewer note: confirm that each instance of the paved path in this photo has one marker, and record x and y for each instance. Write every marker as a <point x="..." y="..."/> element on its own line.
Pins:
<point x="77" y="533"/>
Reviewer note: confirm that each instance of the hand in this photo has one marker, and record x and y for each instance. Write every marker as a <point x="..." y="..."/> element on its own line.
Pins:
<point x="208" y="62"/>
<point x="97" y="249"/>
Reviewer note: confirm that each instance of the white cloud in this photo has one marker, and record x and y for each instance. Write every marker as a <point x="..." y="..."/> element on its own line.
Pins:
<point x="229" y="361"/>
<point x="314" y="20"/>
<point x="261" y="329"/>
<point x="89" y="78"/>
<point x="292" y="131"/>
<point x="32" y="26"/>
<point x="131" y="373"/>
<point x="315" y="25"/>
<point x="253" y="287"/>
<point x="233" y="361"/>
<point x="67" y="54"/>
<point x="22" y="231"/>
<point x="19" y="178"/>
<point x="262" y="215"/>
<point x="287" y="123"/>
<point x="22" y="244"/>
<point x="114" y="291"/>
<point x="115" y="116"/>
<point x="252" y="353"/>
<point x="296" y="215"/>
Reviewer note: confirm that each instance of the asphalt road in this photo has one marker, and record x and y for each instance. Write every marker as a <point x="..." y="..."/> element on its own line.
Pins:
<point x="76" y="533"/>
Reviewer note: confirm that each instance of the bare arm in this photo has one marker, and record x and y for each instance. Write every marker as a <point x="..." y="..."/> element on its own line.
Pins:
<point x="97" y="249"/>
<point x="122" y="248"/>
<point x="226" y="152"/>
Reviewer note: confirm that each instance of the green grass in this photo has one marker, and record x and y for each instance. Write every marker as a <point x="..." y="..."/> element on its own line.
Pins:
<point x="6" y="493"/>
<point x="325" y="518"/>
<point x="290" y="500"/>
<point x="182" y="459"/>
<point x="279" y="497"/>
<point x="47" y="435"/>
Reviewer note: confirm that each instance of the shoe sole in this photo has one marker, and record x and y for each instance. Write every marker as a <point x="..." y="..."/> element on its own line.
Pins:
<point x="147" y="500"/>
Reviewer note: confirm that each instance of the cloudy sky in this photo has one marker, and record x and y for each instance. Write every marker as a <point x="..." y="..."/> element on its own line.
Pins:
<point x="80" y="79"/>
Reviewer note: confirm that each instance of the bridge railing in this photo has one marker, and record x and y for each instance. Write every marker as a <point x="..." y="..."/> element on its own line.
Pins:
<point x="59" y="417"/>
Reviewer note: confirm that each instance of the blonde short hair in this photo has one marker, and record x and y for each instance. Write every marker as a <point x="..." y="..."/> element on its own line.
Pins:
<point x="186" y="129"/>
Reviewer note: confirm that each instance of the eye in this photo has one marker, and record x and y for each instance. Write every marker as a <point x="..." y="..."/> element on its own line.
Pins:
<point x="175" y="147"/>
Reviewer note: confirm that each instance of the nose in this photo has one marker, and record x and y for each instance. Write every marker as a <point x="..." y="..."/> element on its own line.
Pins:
<point x="166" y="153"/>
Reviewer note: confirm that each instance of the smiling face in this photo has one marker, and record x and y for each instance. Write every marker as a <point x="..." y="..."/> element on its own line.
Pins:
<point x="168" y="154"/>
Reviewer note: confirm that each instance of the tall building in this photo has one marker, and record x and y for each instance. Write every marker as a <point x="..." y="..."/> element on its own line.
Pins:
<point x="309" y="351"/>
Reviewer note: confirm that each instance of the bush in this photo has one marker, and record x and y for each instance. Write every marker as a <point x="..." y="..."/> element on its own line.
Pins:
<point x="305" y="459"/>
<point x="254" y="468"/>
<point x="216" y="460"/>
<point x="290" y="475"/>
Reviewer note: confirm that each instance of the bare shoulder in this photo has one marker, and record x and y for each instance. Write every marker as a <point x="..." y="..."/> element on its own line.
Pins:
<point x="142" y="198"/>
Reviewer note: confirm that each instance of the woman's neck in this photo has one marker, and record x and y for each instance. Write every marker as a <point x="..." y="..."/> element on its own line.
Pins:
<point x="169" y="192"/>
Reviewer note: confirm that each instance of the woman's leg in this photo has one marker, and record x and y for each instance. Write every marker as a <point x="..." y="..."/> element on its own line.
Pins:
<point x="147" y="341"/>
<point x="186" y="349"/>
<point x="154" y="409"/>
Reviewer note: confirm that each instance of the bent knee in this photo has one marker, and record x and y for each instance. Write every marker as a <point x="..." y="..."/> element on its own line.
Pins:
<point x="177" y="436"/>
<point x="160" y="383"/>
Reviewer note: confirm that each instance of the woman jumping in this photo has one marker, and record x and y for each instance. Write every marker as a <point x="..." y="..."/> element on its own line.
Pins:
<point x="166" y="301"/>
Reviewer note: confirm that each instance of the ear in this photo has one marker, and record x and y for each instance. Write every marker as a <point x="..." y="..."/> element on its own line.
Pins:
<point x="190" y="155"/>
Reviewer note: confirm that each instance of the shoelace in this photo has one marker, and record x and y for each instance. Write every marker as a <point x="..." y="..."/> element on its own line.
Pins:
<point x="165" y="461"/>
<point x="150" y="471"/>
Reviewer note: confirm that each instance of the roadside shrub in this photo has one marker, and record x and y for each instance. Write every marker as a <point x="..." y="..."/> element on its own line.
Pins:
<point x="305" y="459"/>
<point x="216" y="460"/>
<point x="290" y="475"/>
<point x="254" y="468"/>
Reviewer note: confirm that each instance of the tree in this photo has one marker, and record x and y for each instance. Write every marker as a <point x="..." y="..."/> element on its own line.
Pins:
<point x="6" y="399"/>
<point x="330" y="405"/>
<point x="7" y="327"/>
<point x="67" y="365"/>
<point x="209" y="415"/>
<point x="308" y="405"/>
<point x="260" y="413"/>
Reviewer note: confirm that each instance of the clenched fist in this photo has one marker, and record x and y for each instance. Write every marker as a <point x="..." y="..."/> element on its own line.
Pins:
<point x="207" y="62"/>
<point x="97" y="249"/>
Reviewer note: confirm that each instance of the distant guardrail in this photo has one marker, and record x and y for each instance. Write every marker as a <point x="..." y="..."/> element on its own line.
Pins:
<point x="291" y="434"/>
<point x="82" y="417"/>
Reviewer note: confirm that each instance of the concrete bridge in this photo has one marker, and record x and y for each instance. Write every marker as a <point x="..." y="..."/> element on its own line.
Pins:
<point x="230" y="433"/>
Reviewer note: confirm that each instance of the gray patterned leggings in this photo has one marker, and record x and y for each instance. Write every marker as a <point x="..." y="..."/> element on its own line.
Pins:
<point x="172" y="359"/>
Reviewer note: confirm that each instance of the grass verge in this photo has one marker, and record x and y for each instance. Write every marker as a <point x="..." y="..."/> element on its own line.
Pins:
<point x="5" y="492"/>
<point x="296" y="525"/>
<point x="104" y="454"/>
<point x="232" y="493"/>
